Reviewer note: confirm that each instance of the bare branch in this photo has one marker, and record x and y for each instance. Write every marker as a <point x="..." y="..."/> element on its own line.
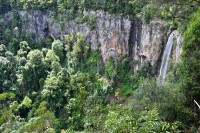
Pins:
<point x="197" y="104"/>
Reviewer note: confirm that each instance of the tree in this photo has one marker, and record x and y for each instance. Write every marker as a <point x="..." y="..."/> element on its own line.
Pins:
<point x="31" y="76"/>
<point x="119" y="120"/>
<point x="35" y="58"/>
<point x="42" y="120"/>
<point x="77" y="50"/>
<point x="24" y="49"/>
<point x="26" y="102"/>
<point x="189" y="70"/>
<point x="58" y="49"/>
<point x="50" y="58"/>
<point x="52" y="91"/>
<point x="4" y="6"/>
<point x="8" y="68"/>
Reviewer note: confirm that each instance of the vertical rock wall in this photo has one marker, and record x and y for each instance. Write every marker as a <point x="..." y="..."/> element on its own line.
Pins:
<point x="147" y="43"/>
<point x="111" y="32"/>
<point x="177" y="48"/>
<point x="114" y="34"/>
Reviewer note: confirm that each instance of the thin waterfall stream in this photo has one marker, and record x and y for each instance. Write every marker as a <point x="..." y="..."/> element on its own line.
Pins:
<point x="165" y="59"/>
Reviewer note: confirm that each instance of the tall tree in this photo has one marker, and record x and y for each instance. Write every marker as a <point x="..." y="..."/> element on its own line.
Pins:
<point x="190" y="72"/>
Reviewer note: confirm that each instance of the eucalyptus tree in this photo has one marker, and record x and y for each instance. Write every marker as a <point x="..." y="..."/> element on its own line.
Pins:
<point x="76" y="49"/>
<point x="58" y="49"/>
<point x="32" y="74"/>
<point x="8" y="68"/>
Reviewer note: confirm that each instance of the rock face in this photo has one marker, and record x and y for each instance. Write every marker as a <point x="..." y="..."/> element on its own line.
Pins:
<point x="113" y="34"/>
<point x="146" y="43"/>
<point x="177" y="48"/>
<point x="111" y="31"/>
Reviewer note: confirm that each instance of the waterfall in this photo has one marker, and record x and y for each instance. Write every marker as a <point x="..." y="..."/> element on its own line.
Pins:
<point x="165" y="59"/>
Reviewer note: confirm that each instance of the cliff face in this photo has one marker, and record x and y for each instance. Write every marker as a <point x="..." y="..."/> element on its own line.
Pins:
<point x="177" y="48"/>
<point x="113" y="34"/>
<point x="147" y="41"/>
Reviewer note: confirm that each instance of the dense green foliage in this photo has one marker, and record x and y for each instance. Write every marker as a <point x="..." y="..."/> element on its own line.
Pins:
<point x="189" y="70"/>
<point x="63" y="86"/>
<point x="56" y="89"/>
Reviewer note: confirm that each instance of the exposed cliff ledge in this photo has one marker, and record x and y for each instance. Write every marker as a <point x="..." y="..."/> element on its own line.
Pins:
<point x="115" y="34"/>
